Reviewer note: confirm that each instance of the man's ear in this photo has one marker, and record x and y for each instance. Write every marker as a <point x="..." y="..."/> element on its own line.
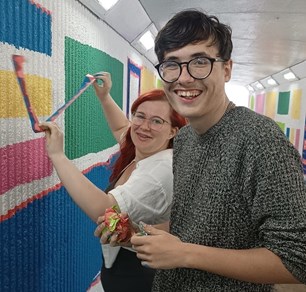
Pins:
<point x="228" y="66"/>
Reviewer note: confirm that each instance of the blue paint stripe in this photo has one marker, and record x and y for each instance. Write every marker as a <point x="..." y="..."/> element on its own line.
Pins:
<point x="50" y="246"/>
<point x="288" y="133"/>
<point x="22" y="24"/>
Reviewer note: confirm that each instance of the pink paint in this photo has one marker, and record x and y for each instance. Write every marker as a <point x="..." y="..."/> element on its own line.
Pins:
<point x="259" y="103"/>
<point x="40" y="6"/>
<point x="24" y="204"/>
<point x="22" y="163"/>
<point x="297" y="139"/>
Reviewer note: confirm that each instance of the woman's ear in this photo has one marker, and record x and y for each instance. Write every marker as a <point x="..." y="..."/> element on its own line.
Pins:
<point x="173" y="132"/>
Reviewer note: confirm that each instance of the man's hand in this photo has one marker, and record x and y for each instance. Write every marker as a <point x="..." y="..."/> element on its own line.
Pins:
<point x="159" y="249"/>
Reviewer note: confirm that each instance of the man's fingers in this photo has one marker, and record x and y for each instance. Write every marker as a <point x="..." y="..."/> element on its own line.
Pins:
<point x="145" y="264"/>
<point x="146" y="229"/>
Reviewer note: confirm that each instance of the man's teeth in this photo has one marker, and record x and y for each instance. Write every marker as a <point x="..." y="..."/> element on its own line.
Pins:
<point x="188" y="94"/>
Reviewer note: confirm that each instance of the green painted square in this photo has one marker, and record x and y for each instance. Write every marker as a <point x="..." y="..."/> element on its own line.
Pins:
<point x="283" y="103"/>
<point x="86" y="130"/>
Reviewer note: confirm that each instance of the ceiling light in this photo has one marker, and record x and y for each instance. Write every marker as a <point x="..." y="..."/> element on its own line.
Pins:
<point x="250" y="88"/>
<point x="147" y="40"/>
<point x="259" y="85"/>
<point x="271" y="81"/>
<point x="107" y="4"/>
<point x="289" y="76"/>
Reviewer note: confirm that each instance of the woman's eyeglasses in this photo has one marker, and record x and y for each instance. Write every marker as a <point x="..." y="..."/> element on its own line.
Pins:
<point x="155" y="123"/>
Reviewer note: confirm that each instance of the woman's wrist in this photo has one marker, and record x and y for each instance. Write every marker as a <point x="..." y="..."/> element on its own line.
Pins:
<point x="105" y="97"/>
<point x="57" y="157"/>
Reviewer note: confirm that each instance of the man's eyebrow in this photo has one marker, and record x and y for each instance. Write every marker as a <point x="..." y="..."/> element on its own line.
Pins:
<point x="195" y="55"/>
<point x="201" y="54"/>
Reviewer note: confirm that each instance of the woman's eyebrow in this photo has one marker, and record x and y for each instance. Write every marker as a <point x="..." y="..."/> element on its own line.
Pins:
<point x="142" y="113"/>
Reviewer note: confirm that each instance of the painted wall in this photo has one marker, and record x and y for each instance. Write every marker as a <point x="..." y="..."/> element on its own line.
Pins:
<point x="46" y="242"/>
<point x="286" y="104"/>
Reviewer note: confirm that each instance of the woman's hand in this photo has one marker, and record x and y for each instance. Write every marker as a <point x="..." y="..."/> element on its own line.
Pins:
<point x="102" y="90"/>
<point x="54" y="138"/>
<point x="108" y="237"/>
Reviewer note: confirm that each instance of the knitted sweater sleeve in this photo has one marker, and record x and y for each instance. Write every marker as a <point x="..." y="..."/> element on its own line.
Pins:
<point x="279" y="205"/>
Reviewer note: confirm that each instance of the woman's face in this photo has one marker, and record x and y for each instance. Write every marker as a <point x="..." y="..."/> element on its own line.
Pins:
<point x="148" y="141"/>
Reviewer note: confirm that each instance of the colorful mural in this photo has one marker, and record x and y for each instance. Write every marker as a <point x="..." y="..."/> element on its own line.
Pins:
<point x="47" y="242"/>
<point x="285" y="107"/>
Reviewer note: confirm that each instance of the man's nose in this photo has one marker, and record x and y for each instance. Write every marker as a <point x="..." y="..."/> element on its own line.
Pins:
<point x="185" y="76"/>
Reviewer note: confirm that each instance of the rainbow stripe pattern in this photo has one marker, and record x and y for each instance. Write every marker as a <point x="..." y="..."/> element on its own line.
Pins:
<point x="18" y="65"/>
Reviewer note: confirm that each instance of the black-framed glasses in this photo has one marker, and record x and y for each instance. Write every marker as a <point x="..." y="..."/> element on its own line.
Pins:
<point x="155" y="123"/>
<point x="198" y="68"/>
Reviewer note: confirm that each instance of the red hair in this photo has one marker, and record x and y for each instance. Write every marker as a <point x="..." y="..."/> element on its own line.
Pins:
<point x="127" y="147"/>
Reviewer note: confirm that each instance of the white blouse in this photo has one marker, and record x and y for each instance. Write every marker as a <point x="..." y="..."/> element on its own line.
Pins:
<point x="146" y="196"/>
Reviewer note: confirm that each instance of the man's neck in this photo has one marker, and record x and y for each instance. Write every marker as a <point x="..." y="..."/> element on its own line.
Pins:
<point x="202" y="124"/>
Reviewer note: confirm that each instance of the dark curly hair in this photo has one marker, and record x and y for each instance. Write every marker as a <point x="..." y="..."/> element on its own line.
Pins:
<point x="192" y="26"/>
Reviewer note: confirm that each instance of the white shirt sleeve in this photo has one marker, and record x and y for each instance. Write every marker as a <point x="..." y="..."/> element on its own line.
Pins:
<point x="147" y="194"/>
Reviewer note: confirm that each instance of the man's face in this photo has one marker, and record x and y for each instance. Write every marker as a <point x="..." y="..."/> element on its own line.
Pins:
<point x="198" y="99"/>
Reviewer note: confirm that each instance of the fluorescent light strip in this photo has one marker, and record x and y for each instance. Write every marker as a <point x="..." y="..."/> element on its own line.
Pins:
<point x="107" y="4"/>
<point x="271" y="81"/>
<point x="259" y="85"/>
<point x="289" y="76"/>
<point x="250" y="88"/>
<point x="147" y="40"/>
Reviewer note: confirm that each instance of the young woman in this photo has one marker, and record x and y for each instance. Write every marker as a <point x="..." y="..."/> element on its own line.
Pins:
<point x="141" y="181"/>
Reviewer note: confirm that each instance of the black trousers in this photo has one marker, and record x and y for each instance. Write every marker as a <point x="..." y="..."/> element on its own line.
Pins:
<point x="127" y="274"/>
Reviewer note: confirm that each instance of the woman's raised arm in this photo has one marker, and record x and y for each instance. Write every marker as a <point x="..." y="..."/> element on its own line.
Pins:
<point x="115" y="117"/>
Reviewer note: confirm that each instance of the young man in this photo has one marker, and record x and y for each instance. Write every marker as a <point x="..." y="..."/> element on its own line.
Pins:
<point x="238" y="220"/>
